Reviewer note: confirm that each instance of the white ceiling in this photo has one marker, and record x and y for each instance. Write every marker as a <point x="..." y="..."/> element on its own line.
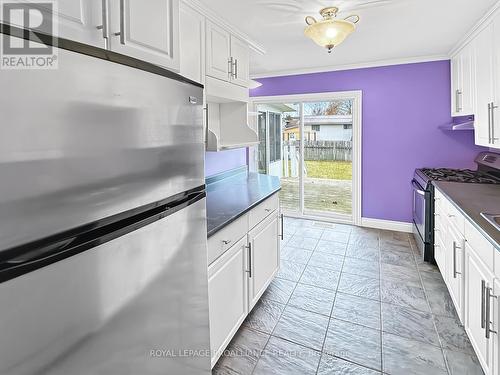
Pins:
<point x="388" y="30"/>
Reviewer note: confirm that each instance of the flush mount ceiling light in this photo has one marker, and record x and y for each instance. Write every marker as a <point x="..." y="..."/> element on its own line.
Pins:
<point x="330" y="31"/>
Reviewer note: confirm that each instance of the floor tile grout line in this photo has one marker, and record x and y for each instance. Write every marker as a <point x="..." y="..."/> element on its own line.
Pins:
<point x="448" y="369"/>
<point x="333" y="305"/>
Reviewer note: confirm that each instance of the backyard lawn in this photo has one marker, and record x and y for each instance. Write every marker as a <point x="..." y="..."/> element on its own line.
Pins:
<point x="335" y="170"/>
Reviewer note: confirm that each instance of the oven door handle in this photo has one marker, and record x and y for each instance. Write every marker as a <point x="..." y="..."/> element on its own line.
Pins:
<point x="416" y="188"/>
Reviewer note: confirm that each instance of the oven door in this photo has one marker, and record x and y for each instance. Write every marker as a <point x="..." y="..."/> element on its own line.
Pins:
<point x="419" y="210"/>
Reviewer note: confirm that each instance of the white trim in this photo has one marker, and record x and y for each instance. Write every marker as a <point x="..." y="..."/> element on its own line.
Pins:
<point x="218" y="20"/>
<point x="333" y="68"/>
<point x="399" y="226"/>
<point x="357" y="96"/>
<point x="476" y="29"/>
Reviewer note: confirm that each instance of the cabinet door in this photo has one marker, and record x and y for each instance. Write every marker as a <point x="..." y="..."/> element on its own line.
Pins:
<point x="227" y="295"/>
<point x="495" y="326"/>
<point x="483" y="47"/>
<point x="264" y="256"/>
<point x="467" y="92"/>
<point x="455" y="84"/>
<point x="496" y="77"/>
<point x="240" y="53"/>
<point x="477" y="275"/>
<point x="218" y="52"/>
<point x="192" y="44"/>
<point x="149" y="32"/>
<point x="454" y="248"/>
<point x="79" y="20"/>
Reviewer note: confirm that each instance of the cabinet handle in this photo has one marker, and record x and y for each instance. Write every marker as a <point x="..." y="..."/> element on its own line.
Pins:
<point x="488" y="298"/>
<point x="455" y="272"/>
<point x="230" y="67"/>
<point x="226" y="242"/>
<point x="282" y="227"/>
<point x="458" y="95"/>
<point x="249" y="271"/>
<point x="489" y="123"/>
<point x="483" y="308"/>
<point x="104" y="27"/>
<point x="493" y="107"/>
<point x="121" y="33"/>
<point x="235" y="72"/>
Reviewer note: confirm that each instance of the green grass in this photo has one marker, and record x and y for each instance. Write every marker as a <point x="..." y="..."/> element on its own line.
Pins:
<point x="336" y="170"/>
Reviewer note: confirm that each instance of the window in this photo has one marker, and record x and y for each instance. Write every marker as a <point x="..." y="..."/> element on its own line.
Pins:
<point x="347" y="126"/>
<point x="262" y="143"/>
<point x="274" y="137"/>
<point x="316" y="128"/>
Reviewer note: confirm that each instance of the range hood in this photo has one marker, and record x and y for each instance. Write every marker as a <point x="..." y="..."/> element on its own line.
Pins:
<point x="460" y="123"/>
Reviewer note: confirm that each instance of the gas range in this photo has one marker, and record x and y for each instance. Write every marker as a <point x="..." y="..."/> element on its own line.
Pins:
<point x="458" y="175"/>
<point x="488" y="172"/>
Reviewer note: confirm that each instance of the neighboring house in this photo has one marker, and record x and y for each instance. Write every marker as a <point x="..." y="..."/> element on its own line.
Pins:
<point x="320" y="128"/>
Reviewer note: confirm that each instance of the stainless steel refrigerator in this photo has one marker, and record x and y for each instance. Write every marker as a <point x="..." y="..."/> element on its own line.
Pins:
<point x="103" y="265"/>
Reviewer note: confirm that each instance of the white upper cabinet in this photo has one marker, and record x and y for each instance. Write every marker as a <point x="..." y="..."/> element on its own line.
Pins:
<point x="483" y="45"/>
<point x="218" y="52"/>
<point x="192" y="43"/>
<point x="495" y="110"/>
<point x="240" y="55"/>
<point x="227" y="56"/>
<point x="80" y="20"/>
<point x="462" y="95"/>
<point x="146" y="30"/>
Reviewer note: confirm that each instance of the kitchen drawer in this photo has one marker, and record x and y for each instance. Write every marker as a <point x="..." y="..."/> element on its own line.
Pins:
<point x="497" y="264"/>
<point x="221" y="241"/>
<point x="455" y="217"/>
<point x="259" y="213"/>
<point x="482" y="247"/>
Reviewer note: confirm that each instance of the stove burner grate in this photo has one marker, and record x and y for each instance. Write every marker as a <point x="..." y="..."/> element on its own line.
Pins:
<point x="459" y="175"/>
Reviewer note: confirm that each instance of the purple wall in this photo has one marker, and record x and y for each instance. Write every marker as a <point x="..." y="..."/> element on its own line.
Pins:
<point x="217" y="162"/>
<point x="403" y="106"/>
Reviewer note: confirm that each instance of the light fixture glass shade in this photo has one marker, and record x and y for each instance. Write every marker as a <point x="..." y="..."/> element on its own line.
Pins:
<point x="329" y="33"/>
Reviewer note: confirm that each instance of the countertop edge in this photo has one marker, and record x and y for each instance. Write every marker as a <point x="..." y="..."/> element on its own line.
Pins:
<point x="472" y="221"/>
<point x="235" y="217"/>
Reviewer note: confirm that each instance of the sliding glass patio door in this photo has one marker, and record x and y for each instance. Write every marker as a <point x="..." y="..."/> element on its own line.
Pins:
<point x="309" y="146"/>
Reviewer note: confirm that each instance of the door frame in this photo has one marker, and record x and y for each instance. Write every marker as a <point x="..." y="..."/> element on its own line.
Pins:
<point x="357" y="125"/>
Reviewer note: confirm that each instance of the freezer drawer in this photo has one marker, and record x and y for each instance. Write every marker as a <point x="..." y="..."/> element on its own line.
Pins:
<point x="134" y="305"/>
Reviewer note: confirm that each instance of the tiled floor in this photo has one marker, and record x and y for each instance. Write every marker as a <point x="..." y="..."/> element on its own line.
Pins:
<point x="350" y="300"/>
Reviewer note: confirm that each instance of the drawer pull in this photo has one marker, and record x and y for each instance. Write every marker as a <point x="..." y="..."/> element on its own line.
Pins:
<point x="267" y="210"/>
<point x="488" y="298"/>
<point x="483" y="307"/>
<point x="455" y="272"/>
<point x="249" y="271"/>
<point x="451" y="215"/>
<point x="226" y="242"/>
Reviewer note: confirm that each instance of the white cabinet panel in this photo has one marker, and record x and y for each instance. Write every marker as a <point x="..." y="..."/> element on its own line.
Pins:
<point x="454" y="248"/>
<point x="264" y="257"/>
<point x="477" y="278"/>
<point x="192" y="44"/>
<point x="483" y="46"/>
<point x="462" y="73"/>
<point x="496" y="82"/>
<point x="241" y="60"/>
<point x="149" y="33"/>
<point x="218" y="52"/>
<point x="79" y="20"/>
<point x="227" y="290"/>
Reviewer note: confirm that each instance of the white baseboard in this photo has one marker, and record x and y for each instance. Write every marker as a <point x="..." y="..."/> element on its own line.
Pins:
<point x="399" y="226"/>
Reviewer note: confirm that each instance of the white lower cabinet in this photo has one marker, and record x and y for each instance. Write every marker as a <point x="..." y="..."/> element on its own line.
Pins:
<point x="454" y="247"/>
<point x="478" y="279"/>
<point x="467" y="262"/>
<point x="245" y="260"/>
<point x="264" y="257"/>
<point x="228" y="302"/>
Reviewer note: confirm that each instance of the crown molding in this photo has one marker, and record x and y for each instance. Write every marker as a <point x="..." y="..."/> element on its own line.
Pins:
<point x="333" y="68"/>
<point x="215" y="18"/>
<point x="476" y="29"/>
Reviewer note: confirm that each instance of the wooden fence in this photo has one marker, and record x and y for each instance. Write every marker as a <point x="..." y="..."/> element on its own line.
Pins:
<point x="313" y="150"/>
